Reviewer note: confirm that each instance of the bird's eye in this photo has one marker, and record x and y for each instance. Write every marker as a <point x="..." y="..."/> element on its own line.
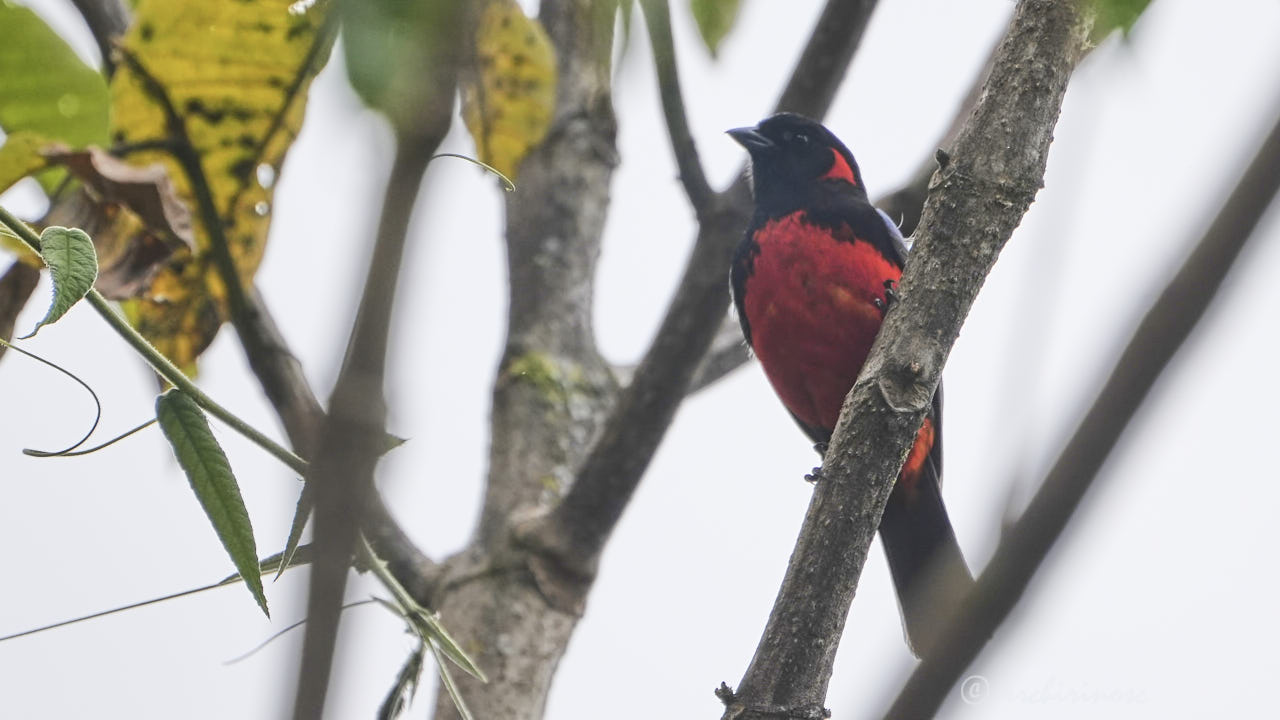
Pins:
<point x="802" y="138"/>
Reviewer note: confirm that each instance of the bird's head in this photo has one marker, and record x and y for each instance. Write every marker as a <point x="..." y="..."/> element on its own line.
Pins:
<point x="793" y="155"/>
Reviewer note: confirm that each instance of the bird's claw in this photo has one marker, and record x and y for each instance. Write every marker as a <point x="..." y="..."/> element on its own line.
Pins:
<point x="890" y="297"/>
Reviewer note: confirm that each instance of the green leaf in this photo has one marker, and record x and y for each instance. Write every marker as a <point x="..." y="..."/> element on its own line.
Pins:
<point x="73" y="264"/>
<point x="306" y="502"/>
<point x="207" y="469"/>
<point x="45" y="88"/>
<point x="715" y="19"/>
<point x="430" y="628"/>
<point x="446" y="680"/>
<point x="400" y="57"/>
<point x="397" y="701"/>
<point x="1116" y="15"/>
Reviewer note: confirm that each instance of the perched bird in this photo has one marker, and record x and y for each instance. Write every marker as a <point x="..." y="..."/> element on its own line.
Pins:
<point x="811" y="281"/>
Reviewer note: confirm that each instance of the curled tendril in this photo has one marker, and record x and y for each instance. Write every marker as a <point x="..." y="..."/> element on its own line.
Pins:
<point x="506" y="182"/>
<point x="97" y="404"/>
<point x="96" y="448"/>
<point x="291" y="626"/>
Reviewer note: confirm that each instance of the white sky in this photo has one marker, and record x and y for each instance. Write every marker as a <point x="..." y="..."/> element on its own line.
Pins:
<point x="1158" y="603"/>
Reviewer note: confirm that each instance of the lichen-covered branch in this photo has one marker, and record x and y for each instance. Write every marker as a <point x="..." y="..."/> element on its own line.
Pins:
<point x="977" y="199"/>
<point x="552" y="386"/>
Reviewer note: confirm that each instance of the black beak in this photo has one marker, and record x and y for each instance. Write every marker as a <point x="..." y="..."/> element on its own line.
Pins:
<point x="751" y="139"/>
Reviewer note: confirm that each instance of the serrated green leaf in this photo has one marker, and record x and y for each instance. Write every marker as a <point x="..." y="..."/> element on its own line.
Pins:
<point x="714" y="19"/>
<point x="434" y="631"/>
<point x="306" y="502"/>
<point x="423" y="622"/>
<point x="406" y="685"/>
<point x="210" y="475"/>
<point x="446" y="680"/>
<point x="45" y="88"/>
<point x="73" y="265"/>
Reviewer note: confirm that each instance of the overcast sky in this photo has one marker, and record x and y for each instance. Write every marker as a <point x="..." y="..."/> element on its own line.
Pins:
<point x="1160" y="601"/>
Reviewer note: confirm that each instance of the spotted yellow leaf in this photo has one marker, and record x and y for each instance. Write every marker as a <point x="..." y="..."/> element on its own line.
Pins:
<point x="235" y="75"/>
<point x="509" y="96"/>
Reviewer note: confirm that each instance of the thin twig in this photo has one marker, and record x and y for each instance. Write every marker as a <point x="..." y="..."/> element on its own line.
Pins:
<point x="658" y="18"/>
<point x="351" y="437"/>
<point x="728" y="353"/>
<point x="1163" y="330"/>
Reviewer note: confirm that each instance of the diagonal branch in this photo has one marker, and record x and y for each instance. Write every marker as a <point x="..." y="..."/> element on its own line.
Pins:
<point x="1163" y="330"/>
<point x="657" y="14"/>
<point x="976" y="201"/>
<point x="574" y="533"/>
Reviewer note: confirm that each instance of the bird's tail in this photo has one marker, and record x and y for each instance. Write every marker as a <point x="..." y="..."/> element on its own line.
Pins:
<point x="928" y="568"/>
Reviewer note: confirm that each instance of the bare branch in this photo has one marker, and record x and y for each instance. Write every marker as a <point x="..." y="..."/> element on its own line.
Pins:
<point x="657" y="15"/>
<point x="821" y="68"/>
<point x="351" y="436"/>
<point x="577" y="529"/>
<point x="1163" y="330"/>
<point x="976" y="201"/>
<point x="728" y="353"/>
<point x="16" y="287"/>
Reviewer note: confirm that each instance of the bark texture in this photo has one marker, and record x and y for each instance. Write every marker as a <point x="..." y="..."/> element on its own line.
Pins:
<point x="1165" y="328"/>
<point x="552" y="387"/>
<point x="976" y="199"/>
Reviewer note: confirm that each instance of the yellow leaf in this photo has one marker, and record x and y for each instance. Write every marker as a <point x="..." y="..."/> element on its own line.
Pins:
<point x="236" y="74"/>
<point x="509" y="97"/>
<point x="20" y="157"/>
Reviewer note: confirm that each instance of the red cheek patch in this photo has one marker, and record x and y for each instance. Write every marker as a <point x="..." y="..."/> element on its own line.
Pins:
<point x="840" y="169"/>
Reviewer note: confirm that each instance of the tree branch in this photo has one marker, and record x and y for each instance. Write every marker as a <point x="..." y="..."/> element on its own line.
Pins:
<point x="576" y="531"/>
<point x="728" y="352"/>
<point x="552" y="388"/>
<point x="1163" y="330"/>
<point x="976" y="201"/>
<point x="107" y="20"/>
<point x="351" y="436"/>
<point x="657" y="15"/>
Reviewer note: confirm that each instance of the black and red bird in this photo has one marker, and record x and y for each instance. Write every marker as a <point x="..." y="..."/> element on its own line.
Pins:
<point x="812" y="280"/>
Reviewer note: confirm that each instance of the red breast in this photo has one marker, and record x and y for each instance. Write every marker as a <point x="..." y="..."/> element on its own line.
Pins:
<point x="811" y="302"/>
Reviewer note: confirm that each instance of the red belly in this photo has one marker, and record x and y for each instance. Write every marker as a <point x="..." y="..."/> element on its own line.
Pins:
<point x="811" y="304"/>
